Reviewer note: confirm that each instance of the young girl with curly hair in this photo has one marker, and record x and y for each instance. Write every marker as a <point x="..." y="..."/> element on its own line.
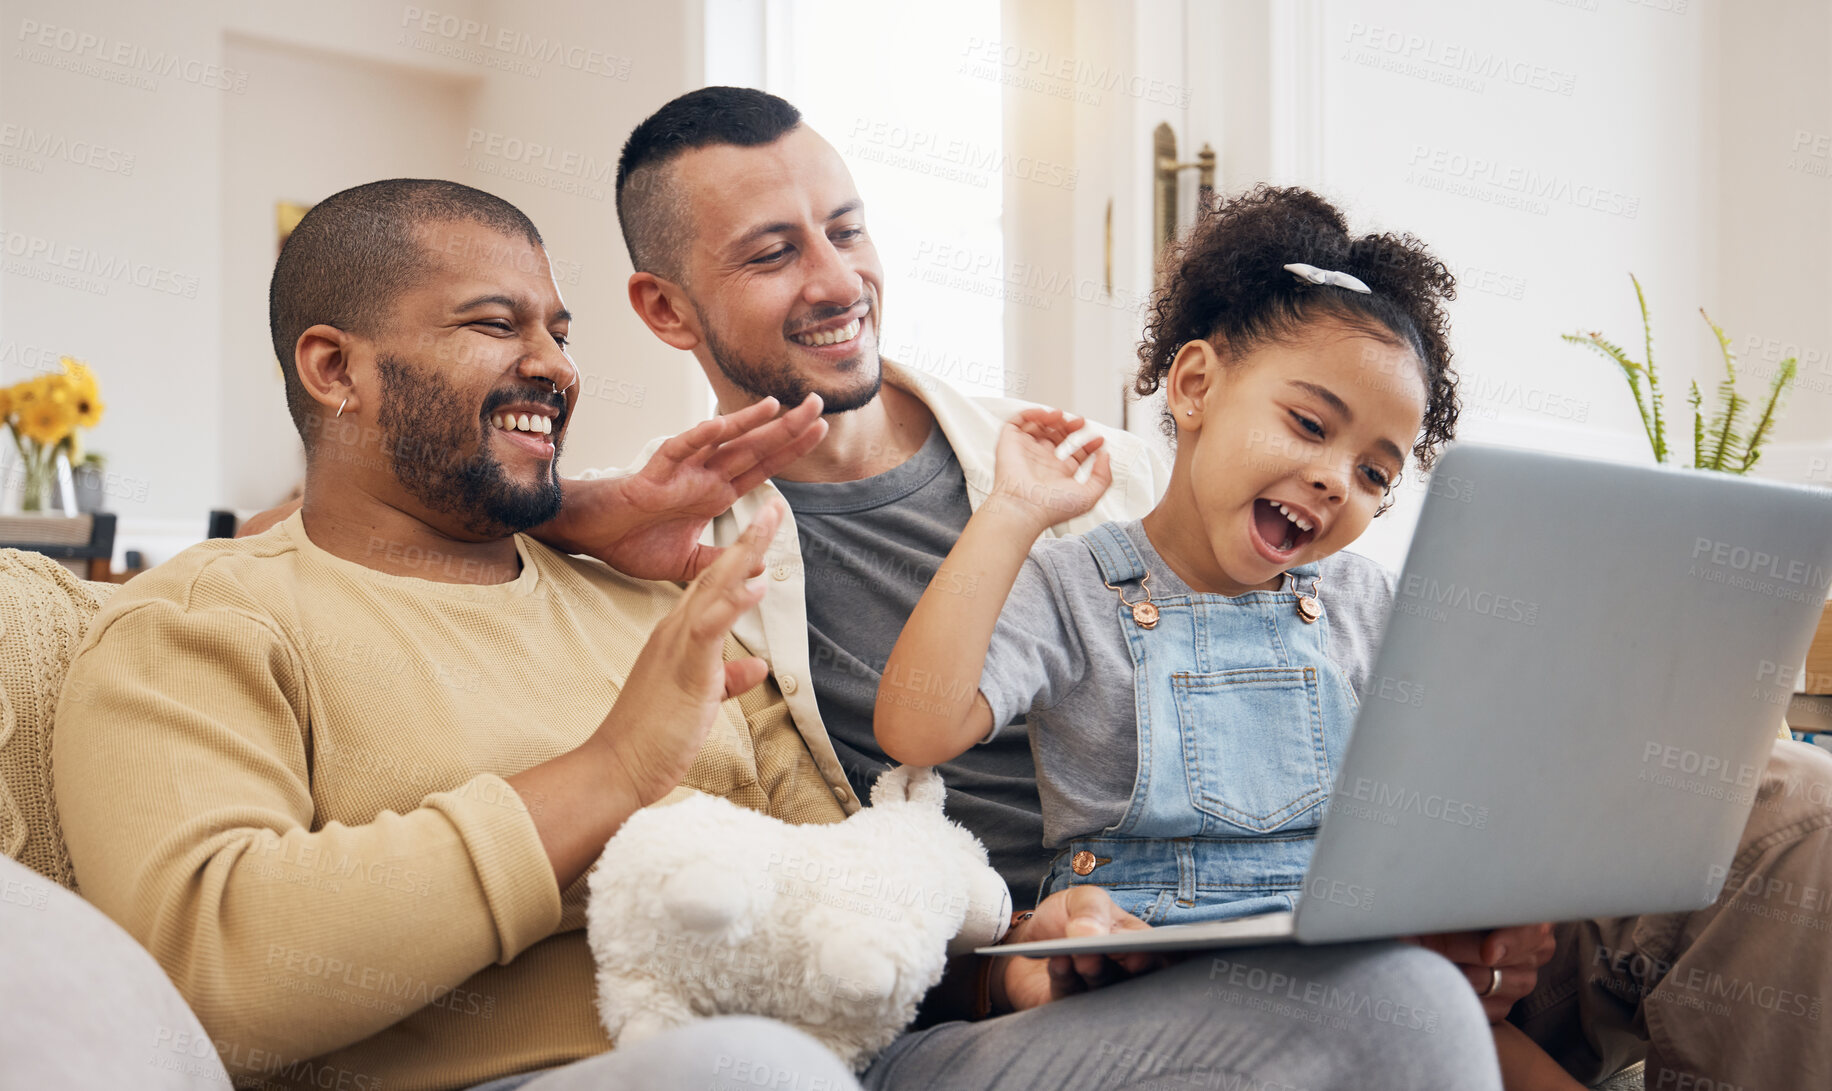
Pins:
<point x="1184" y="675"/>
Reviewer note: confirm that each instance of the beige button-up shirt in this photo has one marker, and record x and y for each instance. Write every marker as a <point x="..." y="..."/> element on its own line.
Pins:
<point x="777" y="630"/>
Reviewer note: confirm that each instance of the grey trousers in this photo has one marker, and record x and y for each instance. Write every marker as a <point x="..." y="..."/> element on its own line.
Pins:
<point x="1371" y="1017"/>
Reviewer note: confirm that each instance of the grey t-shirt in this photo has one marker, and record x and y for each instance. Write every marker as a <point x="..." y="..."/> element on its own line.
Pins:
<point x="1059" y="655"/>
<point x="869" y="549"/>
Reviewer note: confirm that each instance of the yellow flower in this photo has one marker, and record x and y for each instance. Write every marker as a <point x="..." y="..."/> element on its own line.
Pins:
<point x="50" y="416"/>
<point x="88" y="408"/>
<point x="85" y="391"/>
<point x="6" y="404"/>
<point x="26" y="394"/>
<point x="79" y="373"/>
<point x="89" y="412"/>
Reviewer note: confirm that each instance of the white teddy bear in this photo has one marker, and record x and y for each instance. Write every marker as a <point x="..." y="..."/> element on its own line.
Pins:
<point x="703" y="908"/>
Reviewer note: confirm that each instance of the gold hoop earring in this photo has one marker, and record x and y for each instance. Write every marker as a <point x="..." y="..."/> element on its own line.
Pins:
<point x="340" y="408"/>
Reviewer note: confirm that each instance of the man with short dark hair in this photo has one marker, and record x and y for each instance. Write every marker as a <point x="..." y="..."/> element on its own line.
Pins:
<point x="751" y="251"/>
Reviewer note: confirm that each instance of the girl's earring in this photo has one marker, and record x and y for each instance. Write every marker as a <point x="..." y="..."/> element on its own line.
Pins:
<point x="1189" y="412"/>
<point x="340" y="408"/>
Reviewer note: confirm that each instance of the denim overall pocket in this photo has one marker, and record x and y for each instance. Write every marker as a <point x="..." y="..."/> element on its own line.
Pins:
<point x="1253" y="746"/>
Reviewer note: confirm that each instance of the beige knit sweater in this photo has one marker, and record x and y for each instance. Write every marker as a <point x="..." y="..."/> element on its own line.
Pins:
<point x="282" y="772"/>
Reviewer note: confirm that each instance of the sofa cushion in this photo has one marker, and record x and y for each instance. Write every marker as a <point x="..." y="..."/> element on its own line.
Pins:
<point x="44" y="612"/>
<point x="88" y="1007"/>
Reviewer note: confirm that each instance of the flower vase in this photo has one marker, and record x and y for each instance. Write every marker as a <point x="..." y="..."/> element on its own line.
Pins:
<point x="39" y="481"/>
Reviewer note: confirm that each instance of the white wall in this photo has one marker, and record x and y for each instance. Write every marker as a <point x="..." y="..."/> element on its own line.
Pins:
<point x="1039" y="258"/>
<point x="1773" y="122"/>
<point x="156" y="344"/>
<point x="313" y="98"/>
<point x="273" y="147"/>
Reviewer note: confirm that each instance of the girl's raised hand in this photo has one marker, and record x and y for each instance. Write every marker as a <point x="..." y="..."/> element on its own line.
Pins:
<point x="1049" y="467"/>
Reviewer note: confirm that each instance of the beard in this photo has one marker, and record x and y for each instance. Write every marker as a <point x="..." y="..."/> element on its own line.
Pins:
<point x="780" y="379"/>
<point x="426" y="440"/>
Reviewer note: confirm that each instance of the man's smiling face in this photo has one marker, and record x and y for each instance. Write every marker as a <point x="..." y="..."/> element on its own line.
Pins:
<point x="466" y="370"/>
<point x="784" y="281"/>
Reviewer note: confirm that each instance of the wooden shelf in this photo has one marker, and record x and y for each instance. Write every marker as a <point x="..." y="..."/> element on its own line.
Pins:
<point x="88" y="539"/>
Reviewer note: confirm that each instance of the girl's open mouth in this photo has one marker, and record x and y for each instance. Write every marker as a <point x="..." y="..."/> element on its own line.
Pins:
<point x="1278" y="531"/>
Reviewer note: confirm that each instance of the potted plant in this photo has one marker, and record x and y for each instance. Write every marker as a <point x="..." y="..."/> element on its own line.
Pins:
<point x="1719" y="441"/>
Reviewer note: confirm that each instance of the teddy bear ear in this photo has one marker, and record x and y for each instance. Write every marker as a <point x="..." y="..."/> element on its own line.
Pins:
<point x="908" y="783"/>
<point x="892" y="786"/>
<point x="928" y="789"/>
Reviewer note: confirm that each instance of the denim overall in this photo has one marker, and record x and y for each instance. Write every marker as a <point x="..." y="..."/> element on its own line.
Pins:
<point x="1242" y="722"/>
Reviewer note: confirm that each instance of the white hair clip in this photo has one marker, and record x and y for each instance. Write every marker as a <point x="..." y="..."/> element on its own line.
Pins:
<point x="1310" y="274"/>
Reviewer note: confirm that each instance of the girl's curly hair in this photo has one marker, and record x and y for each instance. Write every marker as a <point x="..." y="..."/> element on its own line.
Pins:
<point x="1226" y="283"/>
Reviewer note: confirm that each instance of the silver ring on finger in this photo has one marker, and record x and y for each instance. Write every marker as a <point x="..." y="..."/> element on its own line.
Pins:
<point x="1494" y="982"/>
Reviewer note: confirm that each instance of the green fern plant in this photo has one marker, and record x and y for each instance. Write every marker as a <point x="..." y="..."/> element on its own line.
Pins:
<point x="1718" y="442"/>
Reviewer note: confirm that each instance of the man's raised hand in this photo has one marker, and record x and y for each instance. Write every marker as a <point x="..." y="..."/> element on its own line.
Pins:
<point x="648" y="524"/>
<point x="668" y="703"/>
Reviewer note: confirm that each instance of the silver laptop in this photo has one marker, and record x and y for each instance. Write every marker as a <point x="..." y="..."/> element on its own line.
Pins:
<point x="1571" y="709"/>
